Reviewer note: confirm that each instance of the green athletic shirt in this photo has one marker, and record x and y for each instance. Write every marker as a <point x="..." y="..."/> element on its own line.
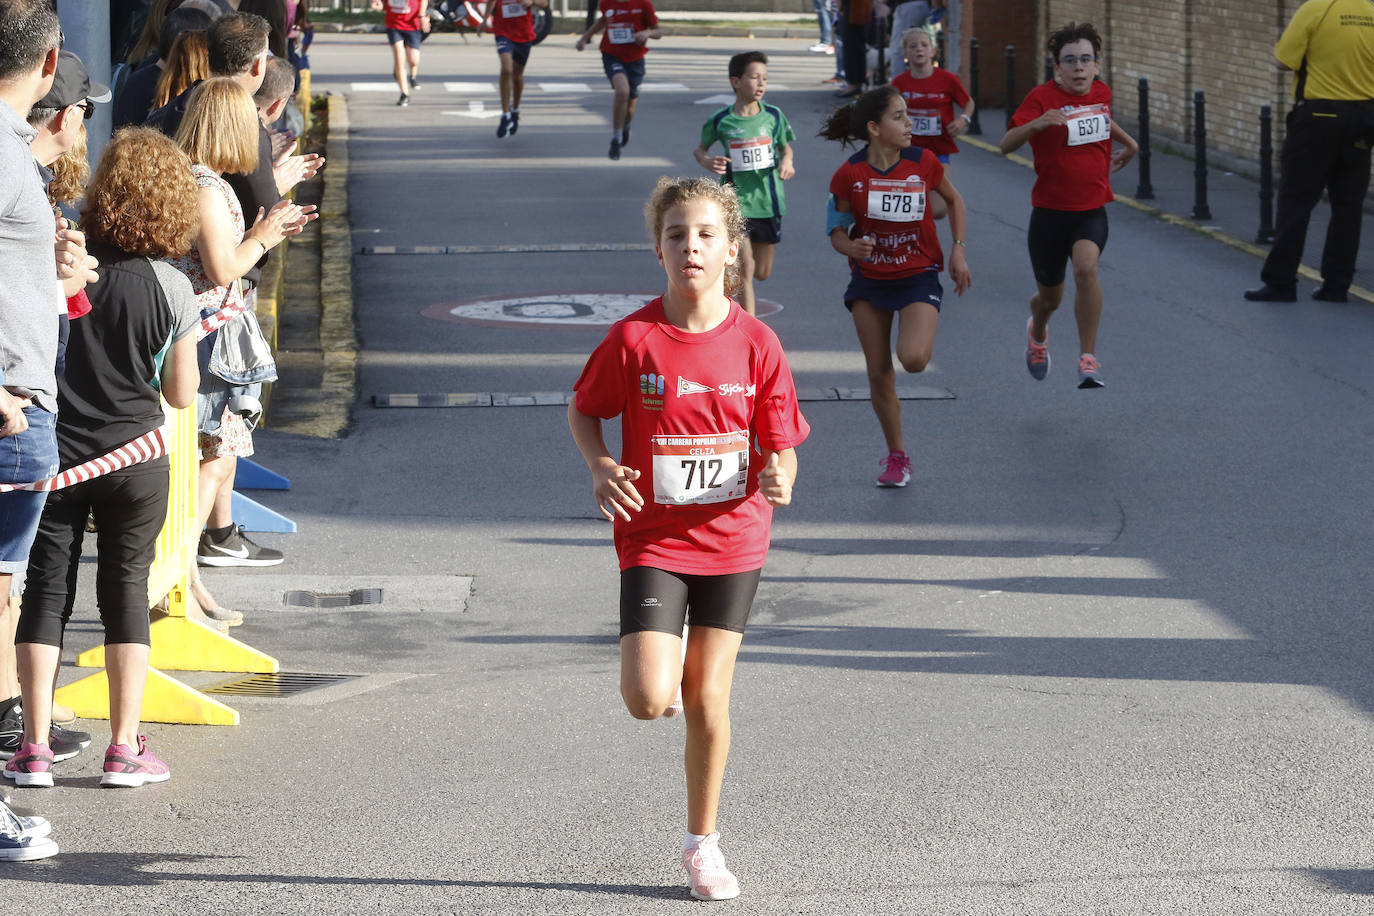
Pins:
<point x="755" y="146"/>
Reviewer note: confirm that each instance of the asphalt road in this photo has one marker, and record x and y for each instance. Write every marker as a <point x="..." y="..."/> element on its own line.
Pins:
<point x="1108" y="652"/>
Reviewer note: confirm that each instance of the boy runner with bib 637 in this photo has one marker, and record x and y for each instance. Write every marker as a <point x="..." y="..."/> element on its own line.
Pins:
<point x="1069" y="124"/>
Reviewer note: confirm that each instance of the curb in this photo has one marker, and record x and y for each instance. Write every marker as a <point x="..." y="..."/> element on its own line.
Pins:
<point x="1216" y="235"/>
<point x="338" y="338"/>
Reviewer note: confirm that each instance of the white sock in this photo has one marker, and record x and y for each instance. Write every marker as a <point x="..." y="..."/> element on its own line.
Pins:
<point x="615" y="136"/>
<point x="504" y="113"/>
<point x="692" y="841"/>
<point x="515" y="110"/>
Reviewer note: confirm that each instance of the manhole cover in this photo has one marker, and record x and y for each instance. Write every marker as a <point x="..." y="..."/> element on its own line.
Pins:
<point x="332" y="599"/>
<point x="278" y="684"/>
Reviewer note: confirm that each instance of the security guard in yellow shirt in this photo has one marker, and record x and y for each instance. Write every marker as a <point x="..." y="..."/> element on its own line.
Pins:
<point x="1329" y="44"/>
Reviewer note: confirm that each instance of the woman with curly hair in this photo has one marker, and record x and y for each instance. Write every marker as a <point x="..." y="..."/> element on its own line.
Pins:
<point x="188" y="62"/>
<point x="220" y="134"/>
<point x="133" y="350"/>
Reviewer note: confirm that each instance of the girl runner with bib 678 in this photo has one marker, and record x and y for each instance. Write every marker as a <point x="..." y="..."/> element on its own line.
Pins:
<point x="878" y="217"/>
<point x="709" y="424"/>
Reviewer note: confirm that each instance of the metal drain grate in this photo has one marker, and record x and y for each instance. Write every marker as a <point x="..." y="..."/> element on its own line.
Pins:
<point x="332" y="599"/>
<point x="279" y="684"/>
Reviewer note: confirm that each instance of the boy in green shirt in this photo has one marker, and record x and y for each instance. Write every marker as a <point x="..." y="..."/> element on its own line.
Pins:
<point x="757" y="141"/>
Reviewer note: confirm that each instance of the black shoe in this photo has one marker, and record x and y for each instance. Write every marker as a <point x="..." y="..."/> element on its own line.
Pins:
<point x="414" y="84"/>
<point x="403" y="101"/>
<point x="65" y="743"/>
<point x="503" y="128"/>
<point x="625" y="135"/>
<point x="514" y="122"/>
<point x="1330" y="294"/>
<point x="1267" y="293"/>
<point x="615" y="149"/>
<point x="235" y="550"/>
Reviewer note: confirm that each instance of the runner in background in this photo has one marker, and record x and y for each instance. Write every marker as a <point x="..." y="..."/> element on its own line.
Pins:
<point x="758" y="143"/>
<point x="1068" y="122"/>
<point x="512" y="22"/>
<point x="878" y="217"/>
<point x="709" y="424"/>
<point x="931" y="94"/>
<point x="629" y="24"/>
<point x="407" y="22"/>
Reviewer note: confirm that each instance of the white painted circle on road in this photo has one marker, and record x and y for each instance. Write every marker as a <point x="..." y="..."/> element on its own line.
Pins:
<point x="557" y="309"/>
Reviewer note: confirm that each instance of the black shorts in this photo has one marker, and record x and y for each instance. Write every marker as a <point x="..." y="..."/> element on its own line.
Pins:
<point x="895" y="295"/>
<point x="518" y="50"/>
<point x="764" y="231"/>
<point x="661" y="601"/>
<point x="1052" y="235"/>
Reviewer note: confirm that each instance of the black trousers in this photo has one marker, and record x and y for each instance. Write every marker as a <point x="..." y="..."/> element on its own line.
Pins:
<point x="855" y="51"/>
<point x="129" y="507"/>
<point x="1326" y="149"/>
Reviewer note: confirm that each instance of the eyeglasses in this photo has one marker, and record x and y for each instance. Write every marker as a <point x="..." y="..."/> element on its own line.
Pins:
<point x="1072" y="61"/>
<point x="87" y="109"/>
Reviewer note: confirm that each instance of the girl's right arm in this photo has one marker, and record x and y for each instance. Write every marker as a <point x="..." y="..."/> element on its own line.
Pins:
<point x="859" y="249"/>
<point x="587" y="35"/>
<point x="612" y="483"/>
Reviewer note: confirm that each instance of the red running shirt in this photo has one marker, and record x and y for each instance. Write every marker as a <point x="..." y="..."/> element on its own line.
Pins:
<point x="1073" y="163"/>
<point x="891" y="206"/>
<point x="623" y="19"/>
<point x="696" y="410"/>
<point x="402" y="14"/>
<point x="930" y="104"/>
<point x="512" y="19"/>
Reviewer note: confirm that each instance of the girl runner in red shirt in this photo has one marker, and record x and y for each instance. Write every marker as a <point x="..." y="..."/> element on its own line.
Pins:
<point x="879" y="219"/>
<point x="709" y="423"/>
<point x="931" y="95"/>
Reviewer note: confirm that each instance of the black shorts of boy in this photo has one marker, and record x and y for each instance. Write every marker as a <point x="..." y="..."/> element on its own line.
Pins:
<point x="411" y="37"/>
<point x="662" y="601"/>
<point x="895" y="295"/>
<point x="518" y="50"/>
<point x="764" y="231"/>
<point x="634" y="71"/>
<point x="1052" y="235"/>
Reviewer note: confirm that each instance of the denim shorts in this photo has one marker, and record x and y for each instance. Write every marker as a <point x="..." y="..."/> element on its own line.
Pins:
<point x="410" y="37"/>
<point x="633" y="70"/>
<point x="518" y="50"/>
<point x="28" y="457"/>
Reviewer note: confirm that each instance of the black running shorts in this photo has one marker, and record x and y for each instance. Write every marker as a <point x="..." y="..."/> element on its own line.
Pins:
<point x="1052" y="235"/>
<point x="658" y="600"/>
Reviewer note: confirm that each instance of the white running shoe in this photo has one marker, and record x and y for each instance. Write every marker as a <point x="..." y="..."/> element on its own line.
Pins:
<point x="707" y="876"/>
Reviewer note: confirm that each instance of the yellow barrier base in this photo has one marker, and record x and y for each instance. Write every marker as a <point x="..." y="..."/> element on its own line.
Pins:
<point x="165" y="699"/>
<point x="182" y="644"/>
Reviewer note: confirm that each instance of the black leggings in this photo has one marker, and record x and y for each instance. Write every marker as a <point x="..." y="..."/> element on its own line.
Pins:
<point x="129" y="507"/>
<point x="658" y="600"/>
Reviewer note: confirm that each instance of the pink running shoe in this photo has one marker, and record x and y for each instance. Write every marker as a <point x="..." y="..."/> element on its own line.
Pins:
<point x="896" y="470"/>
<point x="125" y="768"/>
<point x="31" y="766"/>
<point x="707" y="876"/>
<point x="1037" y="354"/>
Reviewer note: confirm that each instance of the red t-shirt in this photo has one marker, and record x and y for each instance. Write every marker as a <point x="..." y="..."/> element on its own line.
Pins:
<point x="623" y="19"/>
<point x="891" y="206"/>
<point x="930" y="103"/>
<point x="402" y="14"/>
<point x="694" y="409"/>
<point x="1073" y="163"/>
<point x="512" y="19"/>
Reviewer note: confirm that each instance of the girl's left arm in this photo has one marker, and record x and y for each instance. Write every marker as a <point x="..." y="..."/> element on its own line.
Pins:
<point x="778" y="475"/>
<point x="958" y="225"/>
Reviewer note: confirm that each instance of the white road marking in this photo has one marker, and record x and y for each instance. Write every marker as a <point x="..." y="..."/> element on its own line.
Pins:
<point x="563" y="87"/>
<point x="470" y="87"/>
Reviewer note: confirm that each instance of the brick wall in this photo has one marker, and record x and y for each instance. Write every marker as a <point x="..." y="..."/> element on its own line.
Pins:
<point x="1223" y="47"/>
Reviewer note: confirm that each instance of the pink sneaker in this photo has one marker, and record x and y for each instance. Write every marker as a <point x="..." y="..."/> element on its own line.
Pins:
<point x="124" y="767"/>
<point x="31" y="766"/>
<point x="707" y="876"/>
<point x="896" y="470"/>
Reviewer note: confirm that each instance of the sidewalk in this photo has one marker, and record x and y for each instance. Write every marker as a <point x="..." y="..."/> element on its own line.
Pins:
<point x="1232" y="199"/>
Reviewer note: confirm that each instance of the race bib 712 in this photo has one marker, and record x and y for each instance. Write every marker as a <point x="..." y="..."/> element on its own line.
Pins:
<point x="700" y="469"/>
